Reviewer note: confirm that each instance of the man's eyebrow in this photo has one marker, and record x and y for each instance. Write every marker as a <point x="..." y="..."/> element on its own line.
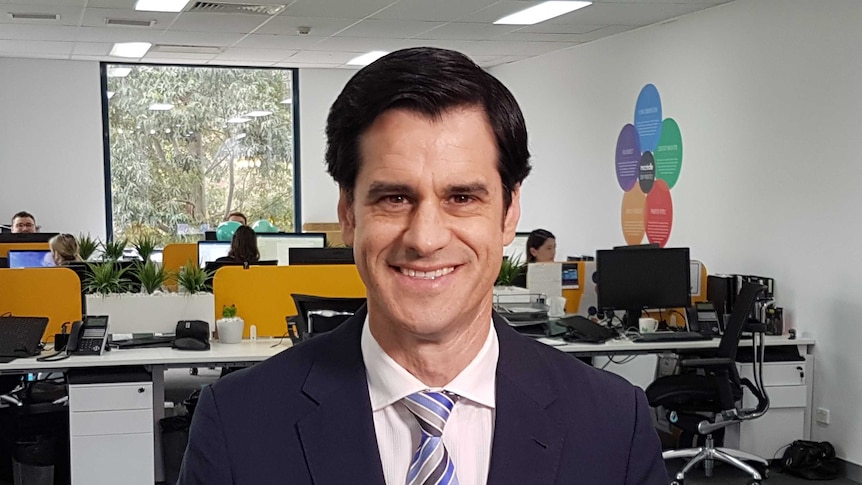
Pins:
<point x="379" y="189"/>
<point x="476" y="188"/>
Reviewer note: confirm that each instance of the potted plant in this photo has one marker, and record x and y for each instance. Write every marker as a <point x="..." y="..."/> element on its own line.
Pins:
<point x="87" y="246"/>
<point x="105" y="278"/>
<point x="510" y="269"/>
<point x="113" y="250"/>
<point x="230" y="326"/>
<point x="152" y="276"/>
<point x="192" y="278"/>
<point x="145" y="247"/>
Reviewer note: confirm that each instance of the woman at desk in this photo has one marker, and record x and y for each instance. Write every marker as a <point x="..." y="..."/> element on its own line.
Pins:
<point x="64" y="249"/>
<point x="243" y="247"/>
<point x="541" y="247"/>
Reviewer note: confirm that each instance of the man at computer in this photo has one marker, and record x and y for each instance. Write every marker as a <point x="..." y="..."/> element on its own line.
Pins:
<point x="24" y="222"/>
<point x="427" y="385"/>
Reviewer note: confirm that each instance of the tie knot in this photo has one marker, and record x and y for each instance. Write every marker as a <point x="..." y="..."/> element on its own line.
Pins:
<point x="431" y="409"/>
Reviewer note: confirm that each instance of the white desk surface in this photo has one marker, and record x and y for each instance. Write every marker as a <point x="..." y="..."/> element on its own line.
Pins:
<point x="246" y="351"/>
<point x="261" y="349"/>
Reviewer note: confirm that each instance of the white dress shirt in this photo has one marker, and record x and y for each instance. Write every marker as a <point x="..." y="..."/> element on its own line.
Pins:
<point x="469" y="432"/>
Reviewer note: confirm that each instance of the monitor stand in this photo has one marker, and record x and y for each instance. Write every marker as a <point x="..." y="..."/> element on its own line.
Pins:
<point x="633" y="316"/>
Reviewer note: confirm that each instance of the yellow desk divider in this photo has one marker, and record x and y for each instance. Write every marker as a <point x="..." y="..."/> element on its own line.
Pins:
<point x="262" y="293"/>
<point x="24" y="246"/>
<point x="175" y="256"/>
<point x="41" y="292"/>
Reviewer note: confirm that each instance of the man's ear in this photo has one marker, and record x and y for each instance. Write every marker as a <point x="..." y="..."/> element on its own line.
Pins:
<point x="513" y="215"/>
<point x="345" y="216"/>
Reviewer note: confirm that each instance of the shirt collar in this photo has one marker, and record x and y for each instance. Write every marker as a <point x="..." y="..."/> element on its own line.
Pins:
<point x="388" y="382"/>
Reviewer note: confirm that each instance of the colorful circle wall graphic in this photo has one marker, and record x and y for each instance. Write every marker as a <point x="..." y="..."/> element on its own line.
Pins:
<point x="628" y="157"/>
<point x="658" y="214"/>
<point x="648" y="117"/>
<point x="632" y="215"/>
<point x="668" y="153"/>
<point x="648" y="163"/>
<point x="646" y="172"/>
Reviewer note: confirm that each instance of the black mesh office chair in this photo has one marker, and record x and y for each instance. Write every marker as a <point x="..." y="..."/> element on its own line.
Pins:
<point x="702" y="400"/>
<point x="319" y="314"/>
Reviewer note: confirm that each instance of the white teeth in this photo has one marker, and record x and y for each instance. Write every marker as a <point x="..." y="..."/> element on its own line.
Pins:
<point x="427" y="275"/>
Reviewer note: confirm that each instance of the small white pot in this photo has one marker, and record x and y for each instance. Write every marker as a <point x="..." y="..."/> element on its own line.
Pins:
<point x="230" y="330"/>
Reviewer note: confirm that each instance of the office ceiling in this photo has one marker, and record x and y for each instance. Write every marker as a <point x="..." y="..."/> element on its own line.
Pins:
<point x="338" y="30"/>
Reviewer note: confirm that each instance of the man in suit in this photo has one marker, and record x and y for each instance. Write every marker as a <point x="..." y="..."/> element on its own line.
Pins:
<point x="425" y="384"/>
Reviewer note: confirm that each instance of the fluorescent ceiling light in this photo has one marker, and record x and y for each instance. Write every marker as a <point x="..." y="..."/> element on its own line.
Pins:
<point x="161" y="5"/>
<point x="541" y="12"/>
<point x="258" y="113"/>
<point x="367" y="58"/>
<point x="239" y="119"/>
<point x="119" y="71"/>
<point x="286" y="101"/>
<point x="161" y="107"/>
<point x="130" y="49"/>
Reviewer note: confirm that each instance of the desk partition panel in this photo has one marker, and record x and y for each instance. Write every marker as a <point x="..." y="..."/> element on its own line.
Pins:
<point x="42" y="292"/>
<point x="262" y="293"/>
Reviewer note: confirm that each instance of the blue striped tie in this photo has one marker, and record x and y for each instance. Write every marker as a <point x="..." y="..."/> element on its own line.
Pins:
<point x="431" y="465"/>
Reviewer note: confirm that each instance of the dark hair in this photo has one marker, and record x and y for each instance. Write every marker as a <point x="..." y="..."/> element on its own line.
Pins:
<point x="428" y="81"/>
<point x="243" y="246"/>
<point x="238" y="214"/>
<point x="23" y="214"/>
<point x="535" y="241"/>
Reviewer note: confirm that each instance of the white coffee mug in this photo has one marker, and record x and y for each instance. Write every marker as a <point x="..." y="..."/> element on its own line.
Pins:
<point x="557" y="306"/>
<point x="647" y="324"/>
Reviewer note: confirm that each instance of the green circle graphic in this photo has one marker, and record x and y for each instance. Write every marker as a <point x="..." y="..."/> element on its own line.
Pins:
<point x="668" y="153"/>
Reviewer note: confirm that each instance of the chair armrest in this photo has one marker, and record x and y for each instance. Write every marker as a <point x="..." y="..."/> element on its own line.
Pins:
<point x="707" y="362"/>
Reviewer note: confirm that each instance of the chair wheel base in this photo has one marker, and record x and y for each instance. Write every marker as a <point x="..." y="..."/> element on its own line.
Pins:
<point x="677" y="482"/>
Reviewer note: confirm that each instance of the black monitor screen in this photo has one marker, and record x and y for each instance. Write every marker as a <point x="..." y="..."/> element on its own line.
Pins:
<point x="635" y="279"/>
<point x="321" y="256"/>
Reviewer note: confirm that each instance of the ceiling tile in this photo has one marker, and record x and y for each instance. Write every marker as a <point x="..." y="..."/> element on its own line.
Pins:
<point x="240" y="54"/>
<point x="243" y="63"/>
<point x="633" y="14"/>
<point x="352" y="9"/>
<point x="92" y="49"/>
<point x="154" y="56"/>
<point x="95" y="17"/>
<point x="320" y="26"/>
<point x="358" y="44"/>
<point x="570" y="28"/>
<point x="404" y="29"/>
<point x="117" y="34"/>
<point x="217" y="22"/>
<point x="59" y="33"/>
<point x="497" y="10"/>
<point x="432" y="11"/>
<point x="306" y="65"/>
<point x="61" y="3"/>
<point x="221" y="39"/>
<point x="260" y="41"/>
<point x="321" y="57"/>
<point x="35" y="47"/>
<point x="68" y="15"/>
<point x="467" y="31"/>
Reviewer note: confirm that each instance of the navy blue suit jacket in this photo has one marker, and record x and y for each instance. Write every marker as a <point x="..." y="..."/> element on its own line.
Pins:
<point x="304" y="417"/>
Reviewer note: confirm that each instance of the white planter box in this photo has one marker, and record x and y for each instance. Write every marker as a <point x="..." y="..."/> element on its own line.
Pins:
<point x="140" y="313"/>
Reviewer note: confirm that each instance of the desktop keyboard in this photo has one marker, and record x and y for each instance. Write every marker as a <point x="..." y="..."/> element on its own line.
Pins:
<point x="670" y="337"/>
<point x="144" y="342"/>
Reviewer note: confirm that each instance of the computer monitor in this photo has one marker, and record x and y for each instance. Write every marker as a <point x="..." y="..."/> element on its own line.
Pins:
<point x="210" y="236"/>
<point x="569" y="277"/>
<point x="634" y="279"/>
<point x="30" y="259"/>
<point x="276" y="245"/>
<point x="211" y="251"/>
<point x="321" y="256"/>
<point x="26" y="237"/>
<point x="518" y="247"/>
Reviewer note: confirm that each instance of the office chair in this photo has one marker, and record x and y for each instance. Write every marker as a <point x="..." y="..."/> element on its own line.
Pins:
<point x="703" y="401"/>
<point x="320" y="314"/>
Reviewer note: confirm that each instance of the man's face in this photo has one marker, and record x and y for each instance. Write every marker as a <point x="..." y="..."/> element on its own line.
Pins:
<point x="23" y="224"/>
<point x="239" y="219"/>
<point x="427" y="221"/>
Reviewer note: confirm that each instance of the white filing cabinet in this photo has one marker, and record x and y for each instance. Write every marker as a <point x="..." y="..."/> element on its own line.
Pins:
<point x="787" y="385"/>
<point x="111" y="432"/>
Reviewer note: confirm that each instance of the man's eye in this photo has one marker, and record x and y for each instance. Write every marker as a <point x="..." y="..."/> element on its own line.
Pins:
<point x="395" y="199"/>
<point x="462" y="199"/>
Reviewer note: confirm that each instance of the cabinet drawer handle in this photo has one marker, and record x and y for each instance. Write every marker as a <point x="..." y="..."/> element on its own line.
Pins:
<point x="141" y="390"/>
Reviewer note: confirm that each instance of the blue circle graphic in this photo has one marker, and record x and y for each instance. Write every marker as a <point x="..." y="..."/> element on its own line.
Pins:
<point x="648" y="117"/>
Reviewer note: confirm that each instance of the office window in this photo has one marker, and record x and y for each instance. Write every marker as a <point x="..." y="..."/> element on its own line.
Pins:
<point x="188" y="145"/>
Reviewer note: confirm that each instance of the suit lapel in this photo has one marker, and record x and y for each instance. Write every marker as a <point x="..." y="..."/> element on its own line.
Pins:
<point x="338" y="437"/>
<point x="528" y="441"/>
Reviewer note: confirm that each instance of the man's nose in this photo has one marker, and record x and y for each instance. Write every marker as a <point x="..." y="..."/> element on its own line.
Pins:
<point x="428" y="229"/>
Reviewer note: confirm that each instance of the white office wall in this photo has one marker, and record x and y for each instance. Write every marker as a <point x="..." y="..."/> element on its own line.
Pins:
<point x="51" y="161"/>
<point x="318" y="89"/>
<point x="767" y="94"/>
<point x="51" y="158"/>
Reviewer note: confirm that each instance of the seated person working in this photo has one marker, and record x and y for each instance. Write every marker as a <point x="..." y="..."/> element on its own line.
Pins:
<point x="243" y="247"/>
<point x="24" y="222"/>
<point x="64" y="249"/>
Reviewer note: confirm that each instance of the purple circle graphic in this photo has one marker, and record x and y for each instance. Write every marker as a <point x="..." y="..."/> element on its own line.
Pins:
<point x="628" y="157"/>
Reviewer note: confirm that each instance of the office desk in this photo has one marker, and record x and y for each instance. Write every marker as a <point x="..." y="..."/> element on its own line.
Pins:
<point x="627" y="347"/>
<point x="156" y="360"/>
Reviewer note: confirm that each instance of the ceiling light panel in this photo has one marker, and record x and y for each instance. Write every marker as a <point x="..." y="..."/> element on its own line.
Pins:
<point x="541" y="12"/>
<point x="367" y="58"/>
<point x="161" y="5"/>
<point x="130" y="49"/>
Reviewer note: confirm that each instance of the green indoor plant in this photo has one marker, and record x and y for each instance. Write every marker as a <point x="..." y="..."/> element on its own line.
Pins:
<point x="192" y="278"/>
<point x="510" y="269"/>
<point x="152" y="276"/>
<point x="145" y="246"/>
<point x="113" y="250"/>
<point x="230" y="327"/>
<point x="87" y="245"/>
<point x="105" y="278"/>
